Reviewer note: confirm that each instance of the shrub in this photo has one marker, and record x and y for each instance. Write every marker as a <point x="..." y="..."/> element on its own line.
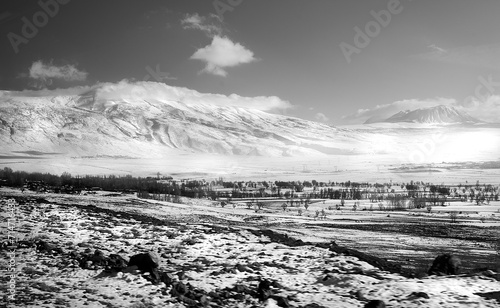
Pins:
<point x="381" y="206"/>
<point x="453" y="216"/>
<point x="429" y="208"/>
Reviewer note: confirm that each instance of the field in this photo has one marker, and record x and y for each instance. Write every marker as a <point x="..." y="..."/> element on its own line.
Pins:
<point x="220" y="254"/>
<point x="369" y="168"/>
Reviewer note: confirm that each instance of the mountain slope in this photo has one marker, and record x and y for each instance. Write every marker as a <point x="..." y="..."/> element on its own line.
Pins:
<point x="107" y="122"/>
<point x="436" y="115"/>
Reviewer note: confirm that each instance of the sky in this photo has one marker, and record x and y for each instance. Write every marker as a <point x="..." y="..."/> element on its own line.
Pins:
<point x="334" y="61"/>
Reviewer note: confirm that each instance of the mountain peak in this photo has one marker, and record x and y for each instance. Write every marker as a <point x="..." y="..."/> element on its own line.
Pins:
<point x="433" y="115"/>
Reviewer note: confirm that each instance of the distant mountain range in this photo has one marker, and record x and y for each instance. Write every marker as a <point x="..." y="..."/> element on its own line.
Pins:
<point x="142" y="120"/>
<point x="104" y="121"/>
<point x="434" y="115"/>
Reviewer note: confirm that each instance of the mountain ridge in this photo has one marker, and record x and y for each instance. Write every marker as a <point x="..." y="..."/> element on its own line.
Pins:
<point x="440" y="114"/>
<point x="104" y="121"/>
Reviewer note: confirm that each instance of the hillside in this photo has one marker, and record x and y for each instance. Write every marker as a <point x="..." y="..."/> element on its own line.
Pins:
<point x="104" y="122"/>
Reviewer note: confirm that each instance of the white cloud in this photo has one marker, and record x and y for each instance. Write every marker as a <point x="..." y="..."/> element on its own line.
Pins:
<point x="43" y="74"/>
<point x="321" y="117"/>
<point x="209" y="25"/>
<point x="146" y="90"/>
<point x="159" y="91"/>
<point x="222" y="53"/>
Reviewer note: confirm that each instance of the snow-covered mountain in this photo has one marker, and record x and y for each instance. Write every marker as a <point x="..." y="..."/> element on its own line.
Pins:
<point x="436" y="115"/>
<point x="145" y="121"/>
<point x="156" y="124"/>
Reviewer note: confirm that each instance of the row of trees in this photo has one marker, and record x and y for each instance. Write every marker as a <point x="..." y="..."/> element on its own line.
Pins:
<point x="291" y="190"/>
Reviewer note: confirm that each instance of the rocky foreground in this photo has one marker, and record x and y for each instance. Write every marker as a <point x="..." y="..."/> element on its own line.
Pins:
<point x="87" y="255"/>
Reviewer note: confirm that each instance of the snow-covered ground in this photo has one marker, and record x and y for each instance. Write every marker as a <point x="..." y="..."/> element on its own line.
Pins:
<point x="213" y="249"/>
<point x="368" y="168"/>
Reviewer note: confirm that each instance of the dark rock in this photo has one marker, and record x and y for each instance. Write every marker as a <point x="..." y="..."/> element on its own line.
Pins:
<point x="43" y="246"/>
<point x="116" y="263"/>
<point x="491" y="295"/>
<point x="264" y="290"/>
<point x="178" y="288"/>
<point x="313" y="305"/>
<point x="167" y="278"/>
<point x="282" y="301"/>
<point x="375" y="304"/>
<point x="445" y="264"/>
<point x="58" y="250"/>
<point x="155" y="276"/>
<point x="240" y="288"/>
<point x="98" y="258"/>
<point x="244" y="268"/>
<point x="187" y="300"/>
<point x="145" y="262"/>
<point x="360" y="295"/>
<point x="73" y="255"/>
<point x="419" y="295"/>
<point x="238" y="296"/>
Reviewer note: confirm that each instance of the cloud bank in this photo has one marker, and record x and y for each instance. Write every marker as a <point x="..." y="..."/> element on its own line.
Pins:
<point x="44" y="74"/>
<point x="144" y="90"/>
